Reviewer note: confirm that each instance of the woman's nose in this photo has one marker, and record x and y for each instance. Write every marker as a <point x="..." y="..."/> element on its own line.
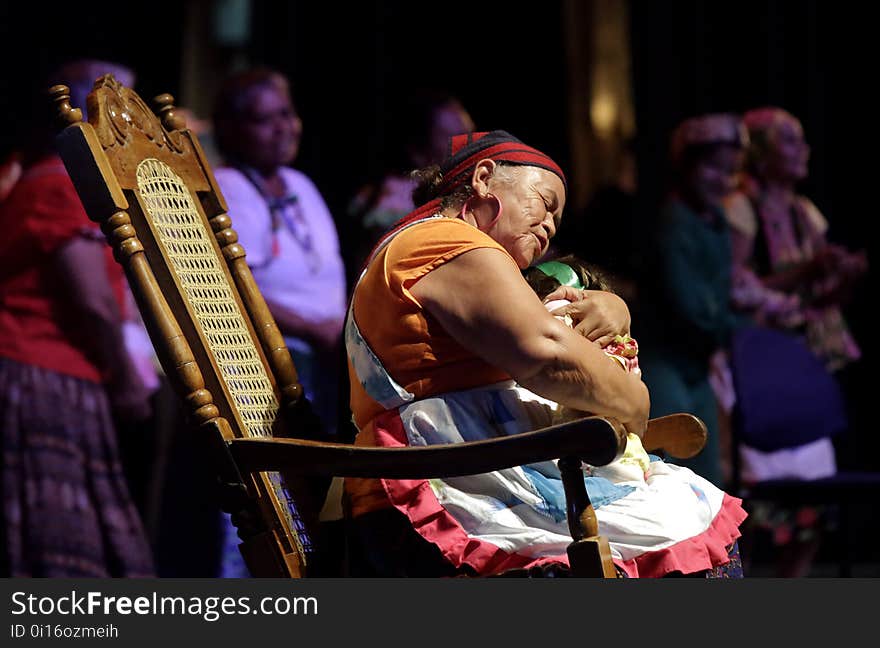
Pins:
<point x="550" y="225"/>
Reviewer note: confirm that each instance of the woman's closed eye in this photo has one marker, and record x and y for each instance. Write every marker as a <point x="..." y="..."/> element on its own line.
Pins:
<point x="551" y="205"/>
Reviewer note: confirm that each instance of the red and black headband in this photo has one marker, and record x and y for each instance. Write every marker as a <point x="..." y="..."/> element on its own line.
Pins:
<point x="468" y="149"/>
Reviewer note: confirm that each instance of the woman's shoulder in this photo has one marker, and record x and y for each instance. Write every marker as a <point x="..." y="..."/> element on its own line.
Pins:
<point x="234" y="184"/>
<point x="434" y="239"/>
<point x="228" y="174"/>
<point x="440" y="229"/>
<point x="298" y="181"/>
<point x="814" y="217"/>
<point x="740" y="213"/>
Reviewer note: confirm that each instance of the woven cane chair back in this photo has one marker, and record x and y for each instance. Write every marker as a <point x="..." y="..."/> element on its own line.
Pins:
<point x="146" y="181"/>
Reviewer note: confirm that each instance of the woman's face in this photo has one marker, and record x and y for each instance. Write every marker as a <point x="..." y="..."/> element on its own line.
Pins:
<point x="715" y="175"/>
<point x="788" y="153"/>
<point x="533" y="200"/>
<point x="269" y="130"/>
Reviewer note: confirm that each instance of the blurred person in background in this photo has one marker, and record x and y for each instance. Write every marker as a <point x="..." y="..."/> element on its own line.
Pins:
<point x="65" y="372"/>
<point x="789" y="277"/>
<point x="419" y="137"/>
<point x="688" y="319"/>
<point x="288" y="233"/>
<point x="780" y="242"/>
<point x="619" y="251"/>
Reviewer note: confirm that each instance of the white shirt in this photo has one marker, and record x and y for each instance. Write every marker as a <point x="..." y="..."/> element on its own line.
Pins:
<point x="297" y="266"/>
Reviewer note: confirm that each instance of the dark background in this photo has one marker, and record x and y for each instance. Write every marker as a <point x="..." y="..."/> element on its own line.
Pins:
<point x="353" y="64"/>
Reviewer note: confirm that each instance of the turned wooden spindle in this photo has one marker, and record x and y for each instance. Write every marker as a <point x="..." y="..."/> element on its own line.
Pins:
<point x="582" y="522"/>
<point x="184" y="372"/>
<point x="172" y="120"/>
<point x="65" y="113"/>
<point x="267" y="330"/>
<point x="121" y="236"/>
<point x="589" y="553"/>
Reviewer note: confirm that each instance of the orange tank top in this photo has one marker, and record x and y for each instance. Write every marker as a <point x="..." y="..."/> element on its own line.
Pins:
<point x="413" y="348"/>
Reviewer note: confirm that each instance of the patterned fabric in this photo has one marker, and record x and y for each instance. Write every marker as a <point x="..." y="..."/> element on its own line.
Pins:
<point x="468" y="149"/>
<point x="666" y="520"/>
<point x="657" y="520"/>
<point x="732" y="569"/>
<point x="780" y="241"/>
<point x="66" y="507"/>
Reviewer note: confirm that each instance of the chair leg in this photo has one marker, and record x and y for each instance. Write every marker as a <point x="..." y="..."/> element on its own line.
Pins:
<point x="589" y="554"/>
<point x="591" y="558"/>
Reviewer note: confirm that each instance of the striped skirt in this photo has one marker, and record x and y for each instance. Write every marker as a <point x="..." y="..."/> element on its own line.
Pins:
<point x="66" y="509"/>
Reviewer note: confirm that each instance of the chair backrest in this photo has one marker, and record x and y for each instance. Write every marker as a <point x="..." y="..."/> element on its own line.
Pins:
<point x="145" y="180"/>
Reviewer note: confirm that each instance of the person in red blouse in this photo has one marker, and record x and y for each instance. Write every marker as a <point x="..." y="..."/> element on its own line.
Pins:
<point x="64" y="375"/>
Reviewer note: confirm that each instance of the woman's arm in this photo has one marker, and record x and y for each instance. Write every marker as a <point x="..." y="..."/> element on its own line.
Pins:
<point x="481" y="299"/>
<point x="82" y="270"/>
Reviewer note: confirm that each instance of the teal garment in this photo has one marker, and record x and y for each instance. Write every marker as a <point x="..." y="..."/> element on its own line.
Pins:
<point x="671" y="392"/>
<point x="688" y="307"/>
<point x="687" y="318"/>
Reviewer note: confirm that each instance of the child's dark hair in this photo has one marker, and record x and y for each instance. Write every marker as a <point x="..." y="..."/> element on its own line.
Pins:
<point x="543" y="284"/>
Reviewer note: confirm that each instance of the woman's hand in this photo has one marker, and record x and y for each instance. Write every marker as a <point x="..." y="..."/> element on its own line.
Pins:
<point x="597" y="315"/>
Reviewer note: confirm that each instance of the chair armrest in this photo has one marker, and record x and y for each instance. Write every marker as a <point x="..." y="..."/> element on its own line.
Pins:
<point x="594" y="439"/>
<point x="679" y="435"/>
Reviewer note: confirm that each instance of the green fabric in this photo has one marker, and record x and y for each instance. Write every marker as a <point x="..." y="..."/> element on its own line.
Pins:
<point x="689" y="309"/>
<point x="671" y="392"/>
<point x="688" y="318"/>
<point x="563" y="273"/>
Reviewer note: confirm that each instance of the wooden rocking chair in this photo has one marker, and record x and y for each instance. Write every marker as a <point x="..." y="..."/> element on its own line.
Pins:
<point x="145" y="180"/>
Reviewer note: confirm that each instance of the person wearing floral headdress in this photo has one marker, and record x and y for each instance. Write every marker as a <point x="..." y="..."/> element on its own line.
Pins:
<point x="689" y="320"/>
<point x="779" y="241"/>
<point x="447" y="343"/>
<point x="781" y="251"/>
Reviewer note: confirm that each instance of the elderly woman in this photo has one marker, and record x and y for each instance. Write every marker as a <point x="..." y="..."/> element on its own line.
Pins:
<point x="447" y="342"/>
